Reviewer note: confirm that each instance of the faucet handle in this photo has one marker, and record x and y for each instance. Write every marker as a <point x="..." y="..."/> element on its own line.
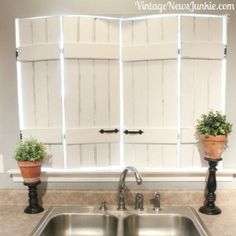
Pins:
<point x="103" y="206"/>
<point x="139" y="202"/>
<point x="156" y="202"/>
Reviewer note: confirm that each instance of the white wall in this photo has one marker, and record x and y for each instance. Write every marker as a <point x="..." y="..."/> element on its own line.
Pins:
<point x="11" y="9"/>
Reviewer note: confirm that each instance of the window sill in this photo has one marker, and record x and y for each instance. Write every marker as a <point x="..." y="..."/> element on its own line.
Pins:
<point x="168" y="175"/>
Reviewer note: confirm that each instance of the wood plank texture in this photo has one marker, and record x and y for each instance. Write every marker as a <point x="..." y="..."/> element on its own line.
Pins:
<point x="41" y="85"/>
<point x="92" y="87"/>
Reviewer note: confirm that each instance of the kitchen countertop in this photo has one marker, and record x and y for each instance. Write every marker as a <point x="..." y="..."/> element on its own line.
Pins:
<point x="14" y="222"/>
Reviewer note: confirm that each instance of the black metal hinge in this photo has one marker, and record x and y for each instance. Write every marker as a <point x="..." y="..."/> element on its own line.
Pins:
<point x="225" y="51"/>
<point x="17" y="53"/>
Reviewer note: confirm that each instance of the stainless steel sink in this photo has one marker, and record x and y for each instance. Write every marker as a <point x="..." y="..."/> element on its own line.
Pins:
<point x="67" y="221"/>
<point x="150" y="225"/>
<point x="80" y="221"/>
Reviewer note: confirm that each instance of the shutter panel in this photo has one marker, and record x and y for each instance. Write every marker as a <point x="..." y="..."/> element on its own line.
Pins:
<point x="92" y="91"/>
<point x="150" y="92"/>
<point x="40" y="77"/>
<point x="201" y="80"/>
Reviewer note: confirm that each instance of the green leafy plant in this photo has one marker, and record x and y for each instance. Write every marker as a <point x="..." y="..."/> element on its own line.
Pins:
<point x="30" y="150"/>
<point x="213" y="123"/>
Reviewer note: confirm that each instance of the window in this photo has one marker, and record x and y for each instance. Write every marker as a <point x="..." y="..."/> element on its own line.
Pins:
<point x="152" y="75"/>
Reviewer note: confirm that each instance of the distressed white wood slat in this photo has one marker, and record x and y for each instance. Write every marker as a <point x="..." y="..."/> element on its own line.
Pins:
<point x="114" y="94"/>
<point x="170" y="29"/>
<point x="150" y="52"/>
<point x="128" y="95"/>
<point x="73" y="156"/>
<point x="53" y="29"/>
<point x="91" y="51"/>
<point x="154" y="30"/>
<point x="170" y="93"/>
<point x="165" y="135"/>
<point x="45" y="135"/>
<point x="86" y="29"/>
<point x="85" y="103"/>
<point x="188" y="135"/>
<point x="41" y="93"/>
<point x="127" y="35"/>
<point x="71" y="28"/>
<point x="187" y="28"/>
<point x="82" y="30"/>
<point x="87" y="155"/>
<point x="39" y="52"/>
<point x="28" y="96"/>
<point x="198" y="157"/>
<point x="169" y="159"/>
<point x="201" y="28"/>
<point x="90" y="135"/>
<point x="114" y="154"/>
<point x="140" y="93"/>
<point x="215" y="83"/>
<point x="155" y="94"/>
<point x="140" y="155"/>
<point x="39" y="30"/>
<point x="215" y="29"/>
<point x="25" y="32"/>
<point x="103" y="155"/>
<point x="187" y="94"/>
<point x="101" y="84"/>
<point x="86" y="93"/>
<point x="139" y="32"/>
<point x="194" y="99"/>
<point x="203" y="50"/>
<point x="57" y="156"/>
<point x="113" y="30"/>
<point x="54" y="94"/>
<point x="128" y="154"/>
<point x="201" y="87"/>
<point x="39" y="39"/>
<point x="201" y="91"/>
<point x="42" y="107"/>
<point x="101" y="30"/>
<point x="47" y="162"/>
<point x="72" y="93"/>
<point x="155" y="156"/>
<point x="170" y="106"/>
<point x="187" y="154"/>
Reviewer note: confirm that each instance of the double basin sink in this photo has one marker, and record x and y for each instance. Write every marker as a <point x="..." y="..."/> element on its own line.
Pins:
<point x="87" y="221"/>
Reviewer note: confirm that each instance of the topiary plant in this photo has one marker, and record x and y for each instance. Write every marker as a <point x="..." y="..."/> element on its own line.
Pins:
<point x="30" y="150"/>
<point x="213" y="123"/>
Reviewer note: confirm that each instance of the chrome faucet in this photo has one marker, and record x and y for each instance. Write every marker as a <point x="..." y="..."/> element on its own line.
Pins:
<point x="121" y="187"/>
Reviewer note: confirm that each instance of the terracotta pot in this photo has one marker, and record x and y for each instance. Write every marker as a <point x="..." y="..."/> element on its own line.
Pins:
<point x="213" y="146"/>
<point x="30" y="170"/>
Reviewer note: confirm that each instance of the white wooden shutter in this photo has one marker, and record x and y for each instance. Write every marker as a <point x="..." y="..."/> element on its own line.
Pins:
<point x="92" y="81"/>
<point x="201" y="79"/>
<point x="92" y="91"/>
<point x="38" y="54"/>
<point x="150" y="92"/>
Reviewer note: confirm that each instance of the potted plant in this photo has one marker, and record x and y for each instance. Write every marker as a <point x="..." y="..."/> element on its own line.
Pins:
<point x="213" y="129"/>
<point x="29" y="155"/>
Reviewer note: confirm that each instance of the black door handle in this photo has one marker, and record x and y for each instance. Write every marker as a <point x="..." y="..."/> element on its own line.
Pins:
<point x="109" y="131"/>
<point x="133" y="132"/>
